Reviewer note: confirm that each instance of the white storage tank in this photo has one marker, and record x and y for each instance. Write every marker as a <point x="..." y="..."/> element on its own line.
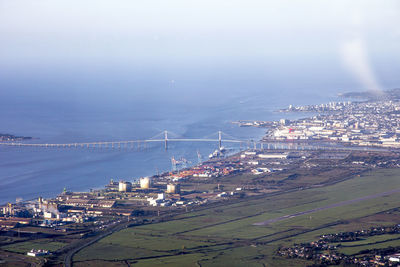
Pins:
<point x="173" y="188"/>
<point x="124" y="186"/>
<point x="145" y="183"/>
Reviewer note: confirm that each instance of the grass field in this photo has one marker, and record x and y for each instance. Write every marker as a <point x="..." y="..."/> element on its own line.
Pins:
<point x="24" y="247"/>
<point x="371" y="242"/>
<point x="225" y="235"/>
<point x="356" y="250"/>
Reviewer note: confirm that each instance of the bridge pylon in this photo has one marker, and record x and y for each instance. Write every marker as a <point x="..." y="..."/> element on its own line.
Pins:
<point x="219" y="139"/>
<point x="166" y="140"/>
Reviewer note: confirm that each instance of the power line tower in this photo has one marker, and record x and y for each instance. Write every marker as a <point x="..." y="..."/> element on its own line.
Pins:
<point x="173" y="162"/>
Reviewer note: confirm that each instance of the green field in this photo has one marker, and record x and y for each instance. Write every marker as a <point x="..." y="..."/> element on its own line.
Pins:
<point x="225" y="235"/>
<point x="371" y="242"/>
<point x="24" y="247"/>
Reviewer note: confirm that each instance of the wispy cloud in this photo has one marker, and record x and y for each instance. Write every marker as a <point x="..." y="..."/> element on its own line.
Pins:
<point x="354" y="54"/>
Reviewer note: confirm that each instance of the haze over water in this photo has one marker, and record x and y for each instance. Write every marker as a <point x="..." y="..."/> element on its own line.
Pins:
<point x="30" y="172"/>
<point x="88" y="72"/>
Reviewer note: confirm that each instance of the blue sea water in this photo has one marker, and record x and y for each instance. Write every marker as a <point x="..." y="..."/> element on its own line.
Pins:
<point x="97" y="112"/>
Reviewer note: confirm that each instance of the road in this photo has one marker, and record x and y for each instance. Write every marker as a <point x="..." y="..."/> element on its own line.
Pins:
<point x="339" y="204"/>
<point x="68" y="257"/>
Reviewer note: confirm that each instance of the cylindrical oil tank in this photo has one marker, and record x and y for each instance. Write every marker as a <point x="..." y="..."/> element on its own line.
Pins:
<point x="173" y="188"/>
<point x="145" y="183"/>
<point x="124" y="186"/>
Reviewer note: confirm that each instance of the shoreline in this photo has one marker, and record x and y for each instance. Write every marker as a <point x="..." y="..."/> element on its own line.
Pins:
<point x="283" y="143"/>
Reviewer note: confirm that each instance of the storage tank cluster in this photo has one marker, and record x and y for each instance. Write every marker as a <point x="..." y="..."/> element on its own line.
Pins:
<point x="145" y="183"/>
<point x="124" y="186"/>
<point x="173" y="188"/>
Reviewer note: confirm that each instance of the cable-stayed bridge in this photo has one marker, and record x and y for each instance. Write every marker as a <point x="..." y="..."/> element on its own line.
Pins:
<point x="164" y="137"/>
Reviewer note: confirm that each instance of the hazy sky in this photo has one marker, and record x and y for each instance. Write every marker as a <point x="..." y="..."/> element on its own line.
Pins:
<point x="362" y="38"/>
